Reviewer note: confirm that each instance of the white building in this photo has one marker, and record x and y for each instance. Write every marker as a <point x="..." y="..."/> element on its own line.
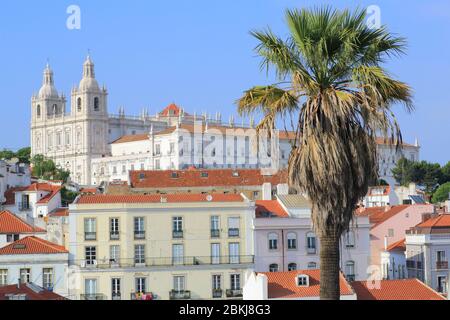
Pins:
<point x="285" y="240"/>
<point x="78" y="139"/>
<point x="13" y="174"/>
<point x="381" y="196"/>
<point x="34" y="260"/>
<point x="393" y="261"/>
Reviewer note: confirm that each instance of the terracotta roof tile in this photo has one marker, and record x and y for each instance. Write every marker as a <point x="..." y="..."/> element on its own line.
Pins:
<point x="131" y="138"/>
<point x="397" y="246"/>
<point x="378" y="215"/>
<point x="154" y="198"/>
<point x="390" y="142"/>
<point x="171" y="110"/>
<point x="32" y="245"/>
<point x="204" y="178"/>
<point x="25" y="289"/>
<point x="405" y="289"/>
<point x="270" y="206"/>
<point x="442" y="220"/>
<point x="60" y="212"/>
<point x="282" y="285"/>
<point x="12" y="224"/>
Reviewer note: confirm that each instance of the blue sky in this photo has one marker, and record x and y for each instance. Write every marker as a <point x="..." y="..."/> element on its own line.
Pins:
<point x="199" y="54"/>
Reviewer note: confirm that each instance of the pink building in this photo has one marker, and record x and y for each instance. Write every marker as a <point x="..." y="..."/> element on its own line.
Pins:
<point x="389" y="225"/>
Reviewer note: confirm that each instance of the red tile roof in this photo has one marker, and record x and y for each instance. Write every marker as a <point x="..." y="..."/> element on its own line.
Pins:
<point x="10" y="198"/>
<point x="194" y="178"/>
<point x="155" y="198"/>
<point x="12" y="224"/>
<point x="442" y="221"/>
<point x="32" y="245"/>
<point x="386" y="191"/>
<point x="89" y="190"/>
<point x="31" y="294"/>
<point x="283" y="285"/>
<point x="378" y="215"/>
<point x="270" y="206"/>
<point x="397" y="246"/>
<point x="390" y="142"/>
<point x="131" y="138"/>
<point x="60" y="212"/>
<point x="405" y="289"/>
<point x="171" y="110"/>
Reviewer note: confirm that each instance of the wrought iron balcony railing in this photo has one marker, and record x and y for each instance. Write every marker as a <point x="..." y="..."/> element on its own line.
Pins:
<point x="93" y="296"/>
<point x="180" y="295"/>
<point x="234" y="293"/>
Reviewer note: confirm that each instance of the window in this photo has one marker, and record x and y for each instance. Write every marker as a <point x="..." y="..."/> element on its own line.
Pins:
<point x="139" y="254"/>
<point x="312" y="265"/>
<point x="172" y="148"/>
<point x="273" y="241"/>
<point x="233" y="226"/>
<point x="177" y="254"/>
<point x="114" y="170"/>
<point x="350" y="270"/>
<point x="349" y="239"/>
<point x="273" y="267"/>
<point x="79" y="104"/>
<point x="390" y="232"/>
<point x="12" y="238"/>
<point x="49" y="140"/>
<point x="90" y="229"/>
<point x="141" y="286"/>
<point x="215" y="253"/>
<point x="90" y="288"/>
<point x="311" y="242"/>
<point x="292" y="240"/>
<point x="179" y="283"/>
<point x="114" y="229"/>
<point x="234" y="252"/>
<point x="235" y="281"/>
<point x="91" y="256"/>
<point x="59" y="138"/>
<point x="96" y="104"/>
<point x="157" y="149"/>
<point x="440" y="256"/>
<point x="25" y="275"/>
<point x="124" y="169"/>
<point x="157" y="165"/>
<point x="3" y="277"/>
<point x="292" y="266"/>
<point x="217" y="286"/>
<point x="38" y="110"/>
<point x="442" y="284"/>
<point x="114" y="254"/>
<point x="139" y="229"/>
<point x="215" y="227"/>
<point x="132" y="167"/>
<point x="115" y="289"/>
<point x="177" y="227"/>
<point x="67" y="136"/>
<point x="302" y="280"/>
<point x="47" y="278"/>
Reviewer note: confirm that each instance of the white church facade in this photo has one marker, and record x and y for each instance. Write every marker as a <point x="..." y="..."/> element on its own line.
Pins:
<point x="97" y="147"/>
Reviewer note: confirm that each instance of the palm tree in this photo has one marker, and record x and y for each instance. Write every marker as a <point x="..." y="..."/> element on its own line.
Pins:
<point x="332" y="86"/>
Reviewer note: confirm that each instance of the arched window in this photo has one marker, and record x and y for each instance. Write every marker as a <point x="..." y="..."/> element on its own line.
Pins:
<point x="312" y="265"/>
<point x="96" y="104"/>
<point x="79" y="104"/>
<point x="311" y="242"/>
<point x="55" y="109"/>
<point x="292" y="240"/>
<point x="292" y="266"/>
<point x="273" y="241"/>
<point x="273" y="267"/>
<point x="38" y="110"/>
<point x="349" y="239"/>
<point x="350" y="270"/>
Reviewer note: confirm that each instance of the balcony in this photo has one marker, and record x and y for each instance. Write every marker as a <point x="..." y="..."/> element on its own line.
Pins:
<point x="180" y="295"/>
<point x="215" y="233"/>
<point x="90" y="236"/>
<point x="142" y="296"/>
<point x="166" y="262"/>
<point x="114" y="235"/>
<point x="177" y="234"/>
<point x="217" y="293"/>
<point x="24" y="206"/>
<point x="93" y="296"/>
<point x="233" y="232"/>
<point x="234" y="293"/>
<point x="311" y="250"/>
<point x="350" y="277"/>
<point x="139" y="235"/>
<point x="116" y="296"/>
<point x="442" y="265"/>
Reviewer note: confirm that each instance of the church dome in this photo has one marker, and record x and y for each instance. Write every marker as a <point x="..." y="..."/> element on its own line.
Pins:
<point x="88" y="83"/>
<point x="48" y="89"/>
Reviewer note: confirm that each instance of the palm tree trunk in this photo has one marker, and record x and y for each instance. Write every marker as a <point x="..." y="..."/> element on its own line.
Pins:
<point x="329" y="266"/>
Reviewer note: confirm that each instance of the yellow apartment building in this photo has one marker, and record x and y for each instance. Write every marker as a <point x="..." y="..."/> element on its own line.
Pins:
<point x="176" y="246"/>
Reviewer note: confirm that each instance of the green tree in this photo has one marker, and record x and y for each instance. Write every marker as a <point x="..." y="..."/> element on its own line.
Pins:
<point x="7" y="154"/>
<point x="442" y="193"/>
<point x="330" y="78"/>
<point x="24" y="155"/>
<point x="426" y="174"/>
<point x="46" y="169"/>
